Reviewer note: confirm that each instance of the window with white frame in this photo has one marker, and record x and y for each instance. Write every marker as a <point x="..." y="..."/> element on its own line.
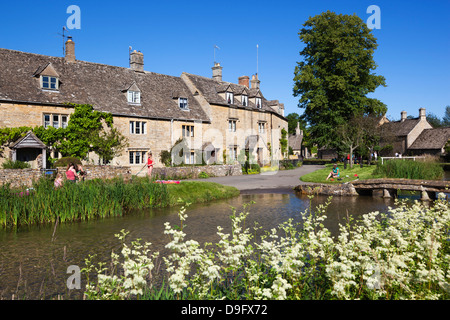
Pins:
<point x="258" y="103"/>
<point x="189" y="157"/>
<point x="244" y="100"/>
<point x="55" y="120"/>
<point x="49" y="83"/>
<point x="232" y="152"/>
<point x="230" y="97"/>
<point x="134" y="96"/>
<point x="261" y="127"/>
<point x="138" y="127"/>
<point x="188" y="131"/>
<point x="183" y="103"/>
<point x="137" y="157"/>
<point x="64" y="121"/>
<point x="232" y="125"/>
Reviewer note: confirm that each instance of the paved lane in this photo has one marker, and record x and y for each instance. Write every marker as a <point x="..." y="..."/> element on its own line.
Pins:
<point x="282" y="180"/>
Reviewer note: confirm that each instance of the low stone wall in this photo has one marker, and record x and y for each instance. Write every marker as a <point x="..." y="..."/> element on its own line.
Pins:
<point x="19" y="177"/>
<point x="104" y="172"/>
<point x="345" y="189"/>
<point x="193" y="172"/>
<point x="25" y="177"/>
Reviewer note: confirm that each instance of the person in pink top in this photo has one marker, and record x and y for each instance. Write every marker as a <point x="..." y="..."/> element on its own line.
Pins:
<point x="58" y="181"/>
<point x="149" y="165"/>
<point x="71" y="174"/>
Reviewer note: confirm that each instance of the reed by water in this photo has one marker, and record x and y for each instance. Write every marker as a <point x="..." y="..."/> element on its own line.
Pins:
<point x="77" y="201"/>
<point x="428" y="169"/>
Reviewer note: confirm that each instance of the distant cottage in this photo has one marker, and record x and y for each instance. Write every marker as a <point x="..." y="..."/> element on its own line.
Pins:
<point x="215" y="118"/>
<point x="413" y="136"/>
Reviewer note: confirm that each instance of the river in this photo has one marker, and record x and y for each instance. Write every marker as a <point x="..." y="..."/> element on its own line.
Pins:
<point x="34" y="260"/>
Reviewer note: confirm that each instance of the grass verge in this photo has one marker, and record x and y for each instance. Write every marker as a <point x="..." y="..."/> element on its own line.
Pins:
<point x="199" y="192"/>
<point x="320" y="176"/>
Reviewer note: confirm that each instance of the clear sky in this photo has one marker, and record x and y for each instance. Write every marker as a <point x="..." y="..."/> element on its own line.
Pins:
<point x="179" y="36"/>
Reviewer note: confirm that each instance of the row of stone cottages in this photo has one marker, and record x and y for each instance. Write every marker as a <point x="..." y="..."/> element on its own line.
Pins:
<point x="219" y="119"/>
<point x="408" y="136"/>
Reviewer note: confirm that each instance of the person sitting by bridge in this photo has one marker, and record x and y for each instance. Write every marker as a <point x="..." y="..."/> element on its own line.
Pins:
<point x="334" y="172"/>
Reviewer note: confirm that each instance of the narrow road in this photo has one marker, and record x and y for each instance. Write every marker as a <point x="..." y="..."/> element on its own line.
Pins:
<point x="275" y="181"/>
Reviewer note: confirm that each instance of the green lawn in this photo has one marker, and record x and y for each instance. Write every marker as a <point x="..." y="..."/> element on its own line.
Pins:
<point x="199" y="191"/>
<point x="346" y="175"/>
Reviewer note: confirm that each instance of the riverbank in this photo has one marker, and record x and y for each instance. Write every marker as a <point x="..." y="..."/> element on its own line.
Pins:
<point x="95" y="199"/>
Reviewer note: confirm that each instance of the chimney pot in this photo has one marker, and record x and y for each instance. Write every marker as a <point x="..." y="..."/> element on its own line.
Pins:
<point x="70" y="50"/>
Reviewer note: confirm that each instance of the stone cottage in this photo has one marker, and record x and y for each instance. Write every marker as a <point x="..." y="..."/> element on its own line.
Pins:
<point x="401" y="134"/>
<point x="430" y="141"/>
<point x="215" y="118"/>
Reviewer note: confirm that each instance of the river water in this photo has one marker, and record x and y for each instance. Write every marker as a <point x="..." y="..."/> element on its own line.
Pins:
<point x="34" y="260"/>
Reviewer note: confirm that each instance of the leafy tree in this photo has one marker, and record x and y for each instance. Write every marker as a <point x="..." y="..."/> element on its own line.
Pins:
<point x="434" y="120"/>
<point x="88" y="130"/>
<point x="293" y="119"/>
<point x="283" y="142"/>
<point x="446" y="119"/>
<point x="108" y="144"/>
<point x="85" y="124"/>
<point x="336" y="75"/>
<point x="361" y="132"/>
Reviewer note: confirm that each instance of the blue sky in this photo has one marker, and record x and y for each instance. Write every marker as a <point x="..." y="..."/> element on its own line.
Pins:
<point x="179" y="36"/>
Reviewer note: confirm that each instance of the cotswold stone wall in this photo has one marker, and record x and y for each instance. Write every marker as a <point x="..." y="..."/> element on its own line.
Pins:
<point x="193" y="172"/>
<point x="19" y="177"/>
<point x="25" y="177"/>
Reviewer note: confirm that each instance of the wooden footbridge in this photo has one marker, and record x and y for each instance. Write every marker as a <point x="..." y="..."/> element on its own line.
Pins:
<point x="389" y="187"/>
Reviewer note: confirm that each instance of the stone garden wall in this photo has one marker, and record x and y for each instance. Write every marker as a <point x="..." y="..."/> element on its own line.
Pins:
<point x="193" y="172"/>
<point x="25" y="177"/>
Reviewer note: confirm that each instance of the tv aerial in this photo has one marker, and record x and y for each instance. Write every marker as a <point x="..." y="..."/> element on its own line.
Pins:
<point x="64" y="38"/>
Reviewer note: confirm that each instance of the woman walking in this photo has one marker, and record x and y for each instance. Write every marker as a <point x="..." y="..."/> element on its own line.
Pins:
<point x="149" y="165"/>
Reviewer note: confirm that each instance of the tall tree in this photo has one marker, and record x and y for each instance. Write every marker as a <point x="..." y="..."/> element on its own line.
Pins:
<point x="434" y="120"/>
<point x="446" y="119"/>
<point x="336" y="74"/>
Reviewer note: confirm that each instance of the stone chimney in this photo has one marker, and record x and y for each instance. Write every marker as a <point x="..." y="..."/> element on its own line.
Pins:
<point x="403" y="114"/>
<point x="297" y="130"/>
<point x="217" y="72"/>
<point x="255" y="81"/>
<point x="422" y="114"/>
<point x="70" y="50"/>
<point x="245" y="81"/>
<point x="137" y="61"/>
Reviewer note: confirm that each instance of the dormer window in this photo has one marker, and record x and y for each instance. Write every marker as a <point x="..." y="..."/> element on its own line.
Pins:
<point x="134" y="96"/>
<point x="49" y="83"/>
<point x="258" y="103"/>
<point x="183" y="103"/>
<point x="229" y="97"/>
<point x="244" y="100"/>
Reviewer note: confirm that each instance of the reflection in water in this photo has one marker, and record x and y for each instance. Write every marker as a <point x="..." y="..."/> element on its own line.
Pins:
<point x="34" y="261"/>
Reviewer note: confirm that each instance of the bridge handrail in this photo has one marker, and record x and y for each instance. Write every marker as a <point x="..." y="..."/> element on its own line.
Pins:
<point x="414" y="158"/>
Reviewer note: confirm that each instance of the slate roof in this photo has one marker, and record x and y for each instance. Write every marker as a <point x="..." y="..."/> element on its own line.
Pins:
<point x="400" y="128"/>
<point x="100" y="85"/>
<point x="211" y="90"/>
<point x="28" y="141"/>
<point x="431" y="139"/>
<point x="295" y="141"/>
